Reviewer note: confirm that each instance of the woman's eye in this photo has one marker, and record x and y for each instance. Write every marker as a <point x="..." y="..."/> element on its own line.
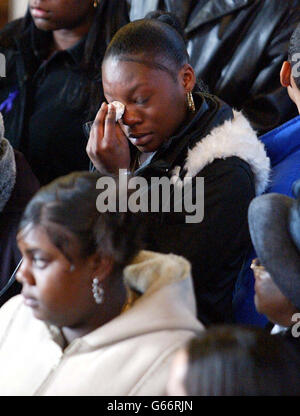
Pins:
<point x="141" y="100"/>
<point x="40" y="263"/>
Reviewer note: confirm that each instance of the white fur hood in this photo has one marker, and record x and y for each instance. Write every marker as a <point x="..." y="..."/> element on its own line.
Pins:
<point x="128" y="356"/>
<point x="233" y="138"/>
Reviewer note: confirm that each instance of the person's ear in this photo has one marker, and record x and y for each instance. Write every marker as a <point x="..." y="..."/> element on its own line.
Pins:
<point x="102" y="266"/>
<point x="285" y="74"/>
<point x="187" y="77"/>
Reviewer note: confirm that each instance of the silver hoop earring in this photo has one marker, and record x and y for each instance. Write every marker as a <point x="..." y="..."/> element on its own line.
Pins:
<point x="98" y="291"/>
<point x="190" y="102"/>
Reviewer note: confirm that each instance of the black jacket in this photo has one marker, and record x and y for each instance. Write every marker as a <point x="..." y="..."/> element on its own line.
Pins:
<point x="44" y="116"/>
<point x="237" y="47"/>
<point x="220" y="146"/>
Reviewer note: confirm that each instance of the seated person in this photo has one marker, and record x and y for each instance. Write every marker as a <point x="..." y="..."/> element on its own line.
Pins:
<point x="290" y="74"/>
<point x="96" y="316"/>
<point x="53" y="55"/>
<point x="283" y="148"/>
<point x="235" y="361"/>
<point x="274" y="222"/>
<point x="172" y="131"/>
<point x="17" y="186"/>
<point x="283" y="144"/>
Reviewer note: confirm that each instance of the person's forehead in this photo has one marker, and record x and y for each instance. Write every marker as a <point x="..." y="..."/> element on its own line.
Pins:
<point x="134" y="69"/>
<point x="33" y="235"/>
<point x="115" y="69"/>
<point x="38" y="235"/>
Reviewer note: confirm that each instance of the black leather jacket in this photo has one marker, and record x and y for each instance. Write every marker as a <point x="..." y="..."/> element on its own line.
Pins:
<point x="237" y="47"/>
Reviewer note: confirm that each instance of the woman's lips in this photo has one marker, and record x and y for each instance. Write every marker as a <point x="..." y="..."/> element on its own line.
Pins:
<point x="141" y="139"/>
<point x="39" y="13"/>
<point x="31" y="302"/>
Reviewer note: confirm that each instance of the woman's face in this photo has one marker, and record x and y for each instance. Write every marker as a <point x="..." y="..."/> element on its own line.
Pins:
<point x="155" y="102"/>
<point x="60" y="14"/>
<point x="54" y="291"/>
<point x="268" y="299"/>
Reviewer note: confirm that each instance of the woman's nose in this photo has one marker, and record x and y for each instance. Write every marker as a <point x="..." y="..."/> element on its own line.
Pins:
<point x="131" y="117"/>
<point x="24" y="274"/>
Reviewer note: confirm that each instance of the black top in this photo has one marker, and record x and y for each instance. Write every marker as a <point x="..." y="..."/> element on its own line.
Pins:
<point x="49" y="97"/>
<point x="54" y="143"/>
<point x="216" y="246"/>
<point x="45" y="120"/>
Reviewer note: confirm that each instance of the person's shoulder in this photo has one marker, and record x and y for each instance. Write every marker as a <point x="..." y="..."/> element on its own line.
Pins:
<point x="25" y="187"/>
<point x="280" y="5"/>
<point x="232" y="163"/>
<point x="15" y="316"/>
<point x="233" y="169"/>
<point x="285" y="12"/>
<point x="231" y="146"/>
<point x="290" y="5"/>
<point x="26" y="182"/>
<point x="11" y="307"/>
<point x="9" y="33"/>
<point x="24" y="170"/>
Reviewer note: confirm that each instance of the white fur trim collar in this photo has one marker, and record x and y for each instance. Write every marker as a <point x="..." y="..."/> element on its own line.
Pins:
<point x="233" y="138"/>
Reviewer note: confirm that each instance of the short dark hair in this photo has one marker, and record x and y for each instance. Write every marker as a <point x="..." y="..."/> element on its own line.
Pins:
<point x="241" y="361"/>
<point x="294" y="48"/>
<point x="68" y="205"/>
<point x="146" y="39"/>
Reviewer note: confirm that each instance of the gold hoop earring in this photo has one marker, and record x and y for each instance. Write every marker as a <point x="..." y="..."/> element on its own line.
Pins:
<point x="95" y="4"/>
<point x="190" y="102"/>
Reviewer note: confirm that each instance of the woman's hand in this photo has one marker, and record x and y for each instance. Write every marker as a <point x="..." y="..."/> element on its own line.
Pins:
<point x="108" y="147"/>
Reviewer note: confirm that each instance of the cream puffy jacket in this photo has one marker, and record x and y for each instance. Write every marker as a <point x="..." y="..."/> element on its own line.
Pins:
<point x="130" y="355"/>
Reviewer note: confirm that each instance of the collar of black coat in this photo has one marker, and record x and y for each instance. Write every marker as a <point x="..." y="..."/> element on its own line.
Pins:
<point x="211" y="113"/>
<point x="33" y="46"/>
<point x="214" y="9"/>
<point x="40" y="42"/>
<point x="34" y="42"/>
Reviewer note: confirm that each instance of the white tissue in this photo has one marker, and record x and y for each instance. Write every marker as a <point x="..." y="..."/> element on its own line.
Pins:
<point x="120" y="108"/>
